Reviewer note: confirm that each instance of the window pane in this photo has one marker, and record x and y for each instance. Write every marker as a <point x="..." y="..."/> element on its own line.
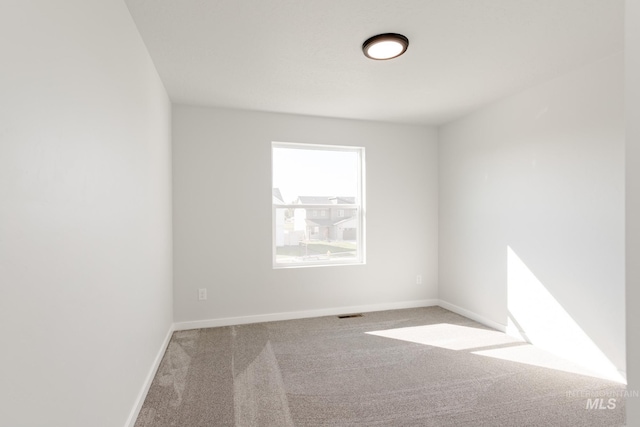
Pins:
<point x="299" y="238"/>
<point x="319" y="173"/>
<point x="317" y="203"/>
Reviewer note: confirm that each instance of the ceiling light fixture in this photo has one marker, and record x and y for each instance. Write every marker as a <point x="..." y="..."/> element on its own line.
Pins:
<point x="385" y="46"/>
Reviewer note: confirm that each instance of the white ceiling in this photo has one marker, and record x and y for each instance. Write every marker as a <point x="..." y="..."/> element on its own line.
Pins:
<point x="304" y="56"/>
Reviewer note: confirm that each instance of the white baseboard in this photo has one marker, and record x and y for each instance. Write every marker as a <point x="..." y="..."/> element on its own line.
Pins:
<point x="290" y="315"/>
<point x="133" y="416"/>
<point x="473" y="316"/>
<point x="613" y="374"/>
<point x="241" y="320"/>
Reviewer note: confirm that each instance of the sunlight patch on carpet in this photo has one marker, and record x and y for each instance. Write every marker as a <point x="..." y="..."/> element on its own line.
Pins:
<point x="451" y="337"/>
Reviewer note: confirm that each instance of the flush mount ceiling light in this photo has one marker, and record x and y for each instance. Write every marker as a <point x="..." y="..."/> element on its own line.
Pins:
<point x="385" y="46"/>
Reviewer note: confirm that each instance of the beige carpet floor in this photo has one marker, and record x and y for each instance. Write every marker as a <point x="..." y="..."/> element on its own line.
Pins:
<point x="414" y="367"/>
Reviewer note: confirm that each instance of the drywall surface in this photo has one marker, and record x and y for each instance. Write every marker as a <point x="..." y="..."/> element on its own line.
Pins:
<point x="222" y="215"/>
<point x="85" y="213"/>
<point x="531" y="210"/>
<point x="632" y="97"/>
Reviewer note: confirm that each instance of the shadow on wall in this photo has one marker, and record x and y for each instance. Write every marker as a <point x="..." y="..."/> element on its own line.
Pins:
<point x="536" y="316"/>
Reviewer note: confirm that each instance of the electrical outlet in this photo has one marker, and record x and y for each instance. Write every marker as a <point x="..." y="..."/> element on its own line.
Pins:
<point x="202" y="294"/>
<point x="419" y="279"/>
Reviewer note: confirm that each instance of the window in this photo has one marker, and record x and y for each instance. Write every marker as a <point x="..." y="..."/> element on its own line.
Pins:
<point x="318" y="205"/>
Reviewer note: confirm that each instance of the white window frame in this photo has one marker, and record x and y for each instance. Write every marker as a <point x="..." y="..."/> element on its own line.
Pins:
<point x="359" y="207"/>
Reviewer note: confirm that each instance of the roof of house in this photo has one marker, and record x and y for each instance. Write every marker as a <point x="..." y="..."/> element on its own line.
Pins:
<point x="277" y="195"/>
<point x="313" y="200"/>
<point x="320" y="222"/>
<point x="342" y="200"/>
<point x="324" y="200"/>
<point x="328" y="222"/>
<point x="346" y="220"/>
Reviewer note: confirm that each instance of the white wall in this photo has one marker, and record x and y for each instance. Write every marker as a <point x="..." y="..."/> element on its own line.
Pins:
<point x="532" y="199"/>
<point x="632" y="69"/>
<point x="85" y="213"/>
<point x="222" y="211"/>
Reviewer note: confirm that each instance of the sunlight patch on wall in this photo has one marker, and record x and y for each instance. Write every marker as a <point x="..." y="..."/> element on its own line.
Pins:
<point x="535" y="315"/>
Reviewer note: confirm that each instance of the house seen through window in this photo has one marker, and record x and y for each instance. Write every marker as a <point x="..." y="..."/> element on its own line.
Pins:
<point x="317" y="204"/>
